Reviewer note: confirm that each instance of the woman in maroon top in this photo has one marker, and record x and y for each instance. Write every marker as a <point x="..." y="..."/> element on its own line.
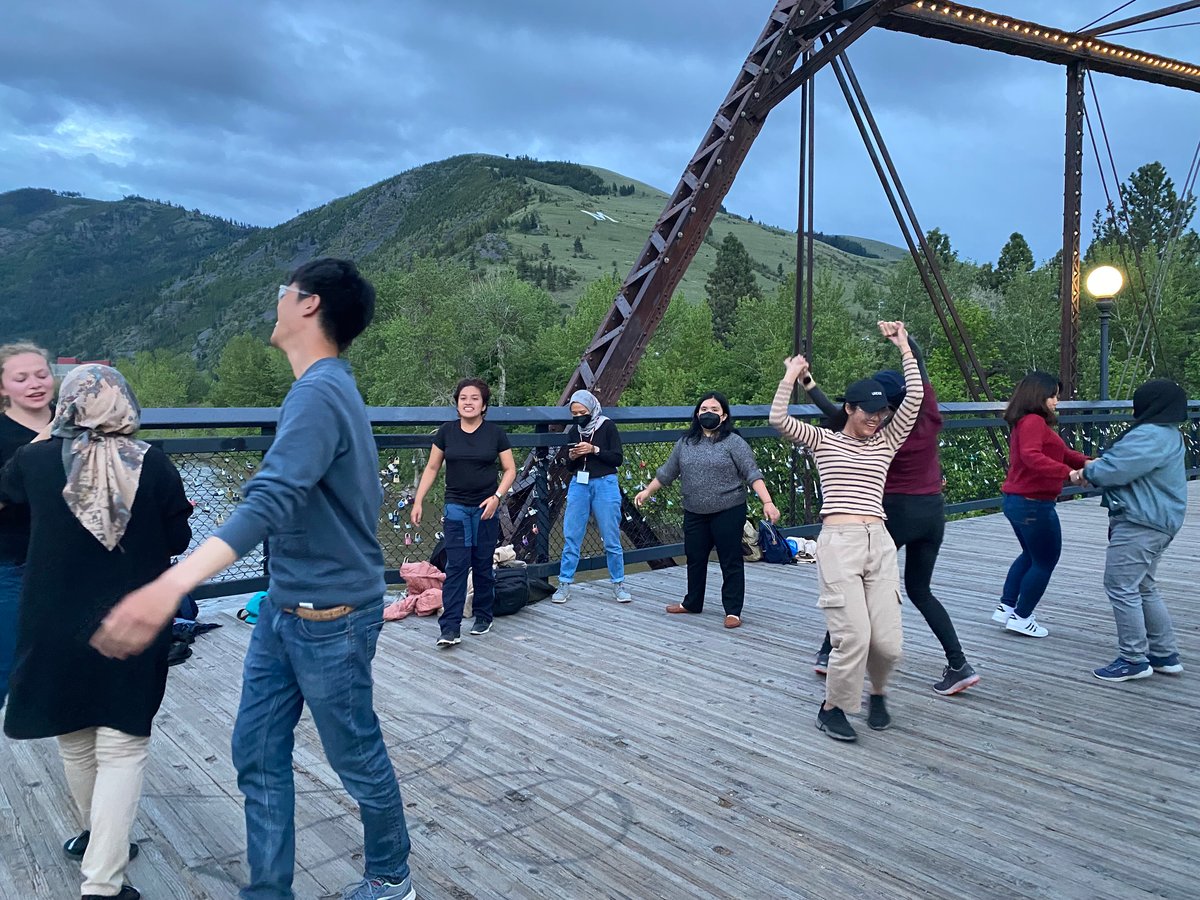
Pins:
<point x="1038" y="464"/>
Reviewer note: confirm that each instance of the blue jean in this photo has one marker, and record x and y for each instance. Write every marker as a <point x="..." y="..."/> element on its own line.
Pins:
<point x="290" y="662"/>
<point x="10" y="603"/>
<point x="600" y="497"/>
<point x="1143" y="623"/>
<point x="461" y="559"/>
<point x="1035" y="523"/>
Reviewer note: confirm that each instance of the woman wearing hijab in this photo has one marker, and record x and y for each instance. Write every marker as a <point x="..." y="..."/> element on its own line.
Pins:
<point x="593" y="457"/>
<point x="1145" y="491"/>
<point x="713" y="464"/>
<point x="107" y="513"/>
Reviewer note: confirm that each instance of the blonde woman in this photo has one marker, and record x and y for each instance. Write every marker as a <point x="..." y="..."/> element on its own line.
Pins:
<point x="26" y="395"/>
<point x="107" y="514"/>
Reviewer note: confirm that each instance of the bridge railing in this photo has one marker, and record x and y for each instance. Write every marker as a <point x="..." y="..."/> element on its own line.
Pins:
<point x="216" y="450"/>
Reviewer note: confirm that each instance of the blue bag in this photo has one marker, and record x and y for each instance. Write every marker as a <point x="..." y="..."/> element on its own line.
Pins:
<point x="774" y="545"/>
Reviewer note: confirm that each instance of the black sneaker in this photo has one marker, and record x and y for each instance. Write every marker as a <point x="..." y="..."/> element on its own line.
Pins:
<point x="481" y="627"/>
<point x="877" y="715"/>
<point x="833" y="723"/>
<point x="821" y="664"/>
<point x="128" y="892"/>
<point x="77" y="846"/>
<point x="955" y="681"/>
<point x="449" y="639"/>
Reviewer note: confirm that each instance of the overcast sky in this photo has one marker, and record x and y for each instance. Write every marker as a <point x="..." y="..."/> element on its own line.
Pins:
<point x="258" y="110"/>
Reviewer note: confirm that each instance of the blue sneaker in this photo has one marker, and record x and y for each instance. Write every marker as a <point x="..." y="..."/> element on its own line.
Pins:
<point x="380" y="889"/>
<point x="1123" y="670"/>
<point x="1166" y="665"/>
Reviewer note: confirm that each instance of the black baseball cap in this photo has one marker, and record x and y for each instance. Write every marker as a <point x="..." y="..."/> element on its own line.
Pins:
<point x="867" y="394"/>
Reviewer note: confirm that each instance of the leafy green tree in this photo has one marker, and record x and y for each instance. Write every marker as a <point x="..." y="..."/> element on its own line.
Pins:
<point x="1015" y="259"/>
<point x="506" y="315"/>
<point x="250" y="373"/>
<point x="681" y="360"/>
<point x="730" y="281"/>
<point x="160" y="378"/>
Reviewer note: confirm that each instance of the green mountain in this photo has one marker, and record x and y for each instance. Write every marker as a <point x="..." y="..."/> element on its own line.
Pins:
<point x="95" y="278"/>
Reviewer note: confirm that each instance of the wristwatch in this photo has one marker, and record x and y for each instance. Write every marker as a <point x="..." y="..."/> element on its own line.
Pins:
<point x="499" y="497"/>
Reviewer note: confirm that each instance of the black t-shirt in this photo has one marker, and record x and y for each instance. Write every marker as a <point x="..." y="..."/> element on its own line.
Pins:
<point x="472" y="460"/>
<point x="598" y="465"/>
<point x="14" y="520"/>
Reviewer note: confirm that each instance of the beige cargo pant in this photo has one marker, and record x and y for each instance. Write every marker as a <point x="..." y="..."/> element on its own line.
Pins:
<point x="860" y="596"/>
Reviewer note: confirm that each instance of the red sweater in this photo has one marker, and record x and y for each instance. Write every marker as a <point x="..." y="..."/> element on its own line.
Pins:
<point x="916" y="468"/>
<point x="1038" y="460"/>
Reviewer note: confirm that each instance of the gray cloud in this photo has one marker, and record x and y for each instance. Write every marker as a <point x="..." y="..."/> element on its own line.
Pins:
<point x="258" y="110"/>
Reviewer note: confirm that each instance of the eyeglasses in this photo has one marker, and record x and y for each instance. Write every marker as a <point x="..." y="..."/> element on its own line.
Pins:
<point x="284" y="288"/>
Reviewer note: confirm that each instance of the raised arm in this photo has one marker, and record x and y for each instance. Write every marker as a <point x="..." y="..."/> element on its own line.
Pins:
<point x="789" y="426"/>
<point x="901" y="424"/>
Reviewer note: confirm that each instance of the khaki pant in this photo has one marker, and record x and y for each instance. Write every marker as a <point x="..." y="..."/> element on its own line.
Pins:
<point x="104" y="770"/>
<point x="860" y="596"/>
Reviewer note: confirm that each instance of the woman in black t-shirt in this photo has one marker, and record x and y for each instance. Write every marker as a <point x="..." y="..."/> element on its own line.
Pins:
<point x="475" y="451"/>
<point x="26" y="391"/>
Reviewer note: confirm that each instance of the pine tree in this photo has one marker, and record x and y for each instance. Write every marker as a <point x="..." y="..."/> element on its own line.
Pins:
<point x="731" y="280"/>
<point x="1015" y="259"/>
<point x="578" y="246"/>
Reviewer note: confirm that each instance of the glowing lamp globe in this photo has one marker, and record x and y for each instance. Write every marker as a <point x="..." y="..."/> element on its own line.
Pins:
<point x="1104" y="282"/>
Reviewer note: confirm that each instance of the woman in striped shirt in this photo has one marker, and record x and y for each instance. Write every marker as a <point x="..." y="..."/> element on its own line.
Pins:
<point x="856" y="557"/>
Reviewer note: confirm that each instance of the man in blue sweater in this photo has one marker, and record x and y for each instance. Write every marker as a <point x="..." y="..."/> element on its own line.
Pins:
<point x="318" y="495"/>
<point x="1145" y="491"/>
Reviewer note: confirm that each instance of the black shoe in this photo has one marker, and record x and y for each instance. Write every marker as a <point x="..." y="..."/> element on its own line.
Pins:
<point x="877" y="714"/>
<point x="448" y="639"/>
<point x="955" y="681"/>
<point x="821" y="663"/>
<point x="77" y="846"/>
<point x="833" y="723"/>
<point x="128" y="892"/>
<point x="481" y="627"/>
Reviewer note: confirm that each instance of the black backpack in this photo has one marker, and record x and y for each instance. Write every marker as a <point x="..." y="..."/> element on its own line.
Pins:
<point x="774" y="545"/>
<point x="512" y="590"/>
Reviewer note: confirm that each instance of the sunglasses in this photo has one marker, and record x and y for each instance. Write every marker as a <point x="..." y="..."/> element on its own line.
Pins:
<point x="284" y="288"/>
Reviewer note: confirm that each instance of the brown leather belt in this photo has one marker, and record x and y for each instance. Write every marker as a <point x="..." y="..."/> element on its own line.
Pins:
<point x="320" y="615"/>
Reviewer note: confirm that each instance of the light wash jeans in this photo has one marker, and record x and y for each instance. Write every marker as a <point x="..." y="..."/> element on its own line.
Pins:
<point x="600" y="497"/>
<point x="1143" y="623"/>
<point x="290" y="662"/>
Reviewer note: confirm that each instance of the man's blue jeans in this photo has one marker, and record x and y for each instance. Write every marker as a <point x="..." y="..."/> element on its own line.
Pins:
<point x="1035" y="523"/>
<point x="290" y="662"/>
<point x="10" y="603"/>
<point x="600" y="497"/>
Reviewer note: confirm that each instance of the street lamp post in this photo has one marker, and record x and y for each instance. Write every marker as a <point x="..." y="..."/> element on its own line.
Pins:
<point x="1104" y="283"/>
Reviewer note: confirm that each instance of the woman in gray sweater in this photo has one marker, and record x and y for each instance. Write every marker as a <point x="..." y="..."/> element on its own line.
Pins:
<point x="714" y="464"/>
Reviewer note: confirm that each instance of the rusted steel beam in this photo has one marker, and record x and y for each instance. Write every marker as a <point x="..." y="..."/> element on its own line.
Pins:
<point x="1139" y="20"/>
<point x="1068" y="371"/>
<point x="976" y="27"/>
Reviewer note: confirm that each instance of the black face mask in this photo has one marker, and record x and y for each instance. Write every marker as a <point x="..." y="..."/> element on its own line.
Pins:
<point x="709" y="420"/>
<point x="581" y="420"/>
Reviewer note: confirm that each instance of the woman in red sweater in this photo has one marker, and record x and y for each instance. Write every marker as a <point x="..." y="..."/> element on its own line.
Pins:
<point x="1038" y="464"/>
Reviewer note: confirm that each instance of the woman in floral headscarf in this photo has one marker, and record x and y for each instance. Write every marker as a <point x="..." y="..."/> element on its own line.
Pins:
<point x="107" y="513"/>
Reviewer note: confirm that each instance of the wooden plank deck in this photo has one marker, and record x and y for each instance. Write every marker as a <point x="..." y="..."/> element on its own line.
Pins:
<point x="602" y="751"/>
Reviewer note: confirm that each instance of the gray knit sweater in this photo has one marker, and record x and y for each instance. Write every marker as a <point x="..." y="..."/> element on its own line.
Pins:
<point x="714" y="473"/>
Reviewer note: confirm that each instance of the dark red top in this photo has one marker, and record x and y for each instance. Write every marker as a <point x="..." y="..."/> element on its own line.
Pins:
<point x="1038" y="460"/>
<point x="916" y="468"/>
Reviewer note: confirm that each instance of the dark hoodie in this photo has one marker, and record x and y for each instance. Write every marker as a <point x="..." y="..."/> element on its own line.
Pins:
<point x="1143" y="473"/>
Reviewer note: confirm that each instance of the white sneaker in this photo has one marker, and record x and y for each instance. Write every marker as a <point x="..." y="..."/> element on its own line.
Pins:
<point x="563" y="594"/>
<point x="620" y="594"/>
<point x="1028" y="627"/>
<point x="1002" y="613"/>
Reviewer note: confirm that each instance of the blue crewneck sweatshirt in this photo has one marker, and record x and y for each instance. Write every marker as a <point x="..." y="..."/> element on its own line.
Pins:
<point x="317" y="496"/>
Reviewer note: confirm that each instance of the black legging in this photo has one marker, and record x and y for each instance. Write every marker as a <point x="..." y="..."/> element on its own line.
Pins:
<point x="918" y="522"/>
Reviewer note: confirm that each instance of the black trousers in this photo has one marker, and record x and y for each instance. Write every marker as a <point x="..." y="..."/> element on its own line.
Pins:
<point x="722" y="530"/>
<point x="918" y="523"/>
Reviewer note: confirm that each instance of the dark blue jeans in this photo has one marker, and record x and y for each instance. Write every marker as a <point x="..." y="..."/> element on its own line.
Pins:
<point x="1035" y="523"/>
<point x="10" y="602"/>
<point x="461" y="559"/>
<point x="327" y="665"/>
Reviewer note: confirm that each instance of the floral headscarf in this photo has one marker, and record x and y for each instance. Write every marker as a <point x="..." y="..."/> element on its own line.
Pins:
<point x="96" y="414"/>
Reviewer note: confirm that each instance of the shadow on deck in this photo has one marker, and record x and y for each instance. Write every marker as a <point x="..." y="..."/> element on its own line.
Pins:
<point x="599" y="751"/>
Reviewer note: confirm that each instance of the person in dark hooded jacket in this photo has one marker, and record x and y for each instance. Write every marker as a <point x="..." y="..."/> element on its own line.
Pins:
<point x="1145" y="491"/>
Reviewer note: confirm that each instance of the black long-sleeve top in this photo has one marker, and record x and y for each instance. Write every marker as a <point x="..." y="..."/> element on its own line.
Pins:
<point x="607" y="461"/>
